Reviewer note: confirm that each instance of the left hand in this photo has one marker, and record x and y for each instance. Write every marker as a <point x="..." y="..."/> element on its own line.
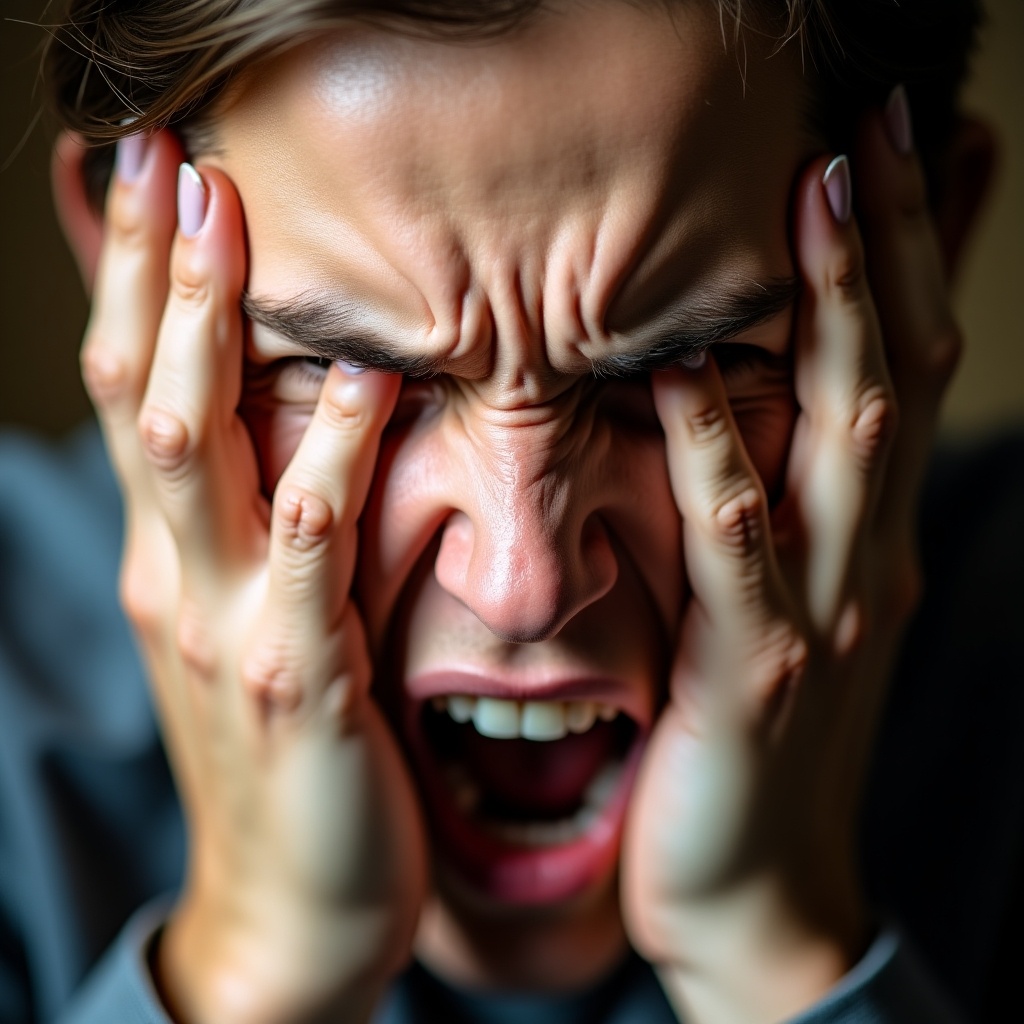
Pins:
<point x="740" y="874"/>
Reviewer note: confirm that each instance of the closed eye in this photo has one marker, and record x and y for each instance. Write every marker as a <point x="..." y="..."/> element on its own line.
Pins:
<point x="736" y="357"/>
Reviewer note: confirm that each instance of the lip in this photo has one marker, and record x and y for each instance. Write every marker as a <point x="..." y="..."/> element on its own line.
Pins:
<point x="631" y="700"/>
<point x="509" y="873"/>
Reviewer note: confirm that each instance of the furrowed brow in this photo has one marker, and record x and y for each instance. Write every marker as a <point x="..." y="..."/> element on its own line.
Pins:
<point x="334" y="331"/>
<point x="698" y="326"/>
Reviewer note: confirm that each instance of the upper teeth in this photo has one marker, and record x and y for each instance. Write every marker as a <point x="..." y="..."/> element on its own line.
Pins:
<point x="529" y="719"/>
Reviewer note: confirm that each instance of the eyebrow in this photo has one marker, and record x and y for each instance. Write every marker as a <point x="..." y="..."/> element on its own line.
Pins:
<point x="337" y="330"/>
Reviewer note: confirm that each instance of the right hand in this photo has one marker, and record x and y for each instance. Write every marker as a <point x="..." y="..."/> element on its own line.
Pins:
<point x="307" y="860"/>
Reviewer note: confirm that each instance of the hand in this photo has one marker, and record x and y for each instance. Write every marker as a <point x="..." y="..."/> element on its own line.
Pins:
<point x="739" y="866"/>
<point x="307" y="856"/>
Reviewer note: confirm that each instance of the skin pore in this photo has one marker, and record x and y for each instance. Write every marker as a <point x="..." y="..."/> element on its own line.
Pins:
<point x="521" y="525"/>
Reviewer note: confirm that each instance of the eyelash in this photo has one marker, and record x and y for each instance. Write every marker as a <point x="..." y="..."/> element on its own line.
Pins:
<point x="312" y="369"/>
<point x="733" y="358"/>
<point x="730" y="359"/>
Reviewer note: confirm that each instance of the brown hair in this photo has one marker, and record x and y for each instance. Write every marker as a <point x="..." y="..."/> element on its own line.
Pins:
<point x="151" y="63"/>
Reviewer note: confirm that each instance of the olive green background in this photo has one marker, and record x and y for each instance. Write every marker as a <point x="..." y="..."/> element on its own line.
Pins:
<point x="42" y="306"/>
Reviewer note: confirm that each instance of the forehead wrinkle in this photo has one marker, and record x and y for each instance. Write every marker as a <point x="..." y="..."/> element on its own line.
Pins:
<point x="395" y="164"/>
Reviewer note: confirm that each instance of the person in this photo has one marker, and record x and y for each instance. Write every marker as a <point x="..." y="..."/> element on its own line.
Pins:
<point x="520" y="413"/>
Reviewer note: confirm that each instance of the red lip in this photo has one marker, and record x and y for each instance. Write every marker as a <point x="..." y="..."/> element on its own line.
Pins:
<point x="504" y="871"/>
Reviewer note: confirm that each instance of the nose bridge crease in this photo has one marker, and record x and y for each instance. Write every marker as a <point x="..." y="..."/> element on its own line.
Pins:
<point x="525" y="557"/>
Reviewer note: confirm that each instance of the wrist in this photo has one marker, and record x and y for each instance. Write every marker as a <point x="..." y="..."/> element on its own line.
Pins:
<point x="753" y="958"/>
<point x="210" y="969"/>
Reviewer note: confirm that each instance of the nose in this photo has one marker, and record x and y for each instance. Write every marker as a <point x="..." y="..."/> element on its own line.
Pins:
<point x="526" y="551"/>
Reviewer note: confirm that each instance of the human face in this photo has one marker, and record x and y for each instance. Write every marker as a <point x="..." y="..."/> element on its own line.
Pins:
<point x="607" y="178"/>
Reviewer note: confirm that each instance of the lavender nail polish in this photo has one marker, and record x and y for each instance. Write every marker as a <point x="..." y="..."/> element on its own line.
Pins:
<point x="839" y="188"/>
<point x="131" y="151"/>
<point x="897" y="121"/>
<point x="191" y="201"/>
<point x="696" y="361"/>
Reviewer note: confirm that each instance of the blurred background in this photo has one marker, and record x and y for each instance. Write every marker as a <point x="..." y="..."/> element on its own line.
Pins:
<point x="43" y="309"/>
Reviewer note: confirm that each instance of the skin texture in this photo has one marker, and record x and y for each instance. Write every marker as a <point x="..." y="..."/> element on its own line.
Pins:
<point x="724" y="538"/>
<point x="438" y="189"/>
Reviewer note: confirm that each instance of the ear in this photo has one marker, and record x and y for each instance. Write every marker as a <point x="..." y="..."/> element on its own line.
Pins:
<point x="81" y="223"/>
<point x="967" y="173"/>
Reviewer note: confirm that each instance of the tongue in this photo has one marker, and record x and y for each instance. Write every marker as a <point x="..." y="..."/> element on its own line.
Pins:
<point x="534" y="778"/>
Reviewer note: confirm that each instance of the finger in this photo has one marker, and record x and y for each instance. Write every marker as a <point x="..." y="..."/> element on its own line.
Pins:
<point x="201" y="462"/>
<point x="729" y="552"/>
<point x="842" y="385"/>
<point x="129" y="295"/>
<point x="922" y="340"/>
<point x="313" y="544"/>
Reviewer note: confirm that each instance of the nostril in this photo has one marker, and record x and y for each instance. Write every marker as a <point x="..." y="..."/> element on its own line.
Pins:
<point x="523" y="583"/>
<point x="597" y="554"/>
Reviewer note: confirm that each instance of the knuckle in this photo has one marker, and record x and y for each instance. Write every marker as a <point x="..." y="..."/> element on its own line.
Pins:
<point x="165" y="439"/>
<point x="190" y="287"/>
<point x="875" y="422"/>
<point x="126" y="224"/>
<point x="736" y="520"/>
<point x="306" y="521"/>
<point x="269" y="675"/>
<point x="851" y="629"/>
<point x="708" y="424"/>
<point x="140" y="600"/>
<point x="195" y="642"/>
<point x="148" y="581"/>
<point x="847" y="275"/>
<point x="781" y="662"/>
<point x="945" y="352"/>
<point x="107" y="375"/>
<point x="342" y="415"/>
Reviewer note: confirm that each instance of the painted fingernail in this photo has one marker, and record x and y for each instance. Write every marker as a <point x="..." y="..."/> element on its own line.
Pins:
<point x="191" y="201"/>
<point x="838" y="188"/>
<point x="696" y="361"/>
<point x="897" y="121"/>
<point x="131" y="151"/>
<point x="350" y="368"/>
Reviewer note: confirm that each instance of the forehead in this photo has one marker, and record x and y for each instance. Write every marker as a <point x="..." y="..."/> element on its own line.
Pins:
<point x="624" y="152"/>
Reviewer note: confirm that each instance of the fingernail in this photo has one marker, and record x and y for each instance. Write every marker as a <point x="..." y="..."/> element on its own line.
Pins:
<point x="838" y="188"/>
<point x="191" y="201"/>
<point x="349" y="368"/>
<point x="897" y="121"/>
<point x="696" y="361"/>
<point x="131" y="151"/>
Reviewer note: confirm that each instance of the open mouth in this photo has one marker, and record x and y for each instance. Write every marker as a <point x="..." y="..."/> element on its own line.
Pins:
<point x="526" y="797"/>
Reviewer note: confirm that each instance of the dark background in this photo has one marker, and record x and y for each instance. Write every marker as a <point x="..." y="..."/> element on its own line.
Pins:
<point x="43" y="308"/>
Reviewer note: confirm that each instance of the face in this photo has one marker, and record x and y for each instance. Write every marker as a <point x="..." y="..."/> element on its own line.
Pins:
<point x="534" y="223"/>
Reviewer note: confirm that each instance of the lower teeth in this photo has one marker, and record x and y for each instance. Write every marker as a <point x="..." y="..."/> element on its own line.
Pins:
<point x="466" y="795"/>
<point x="544" y="833"/>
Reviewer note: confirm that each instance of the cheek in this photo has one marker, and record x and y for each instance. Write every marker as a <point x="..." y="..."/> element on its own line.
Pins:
<point x="404" y="510"/>
<point x="276" y="432"/>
